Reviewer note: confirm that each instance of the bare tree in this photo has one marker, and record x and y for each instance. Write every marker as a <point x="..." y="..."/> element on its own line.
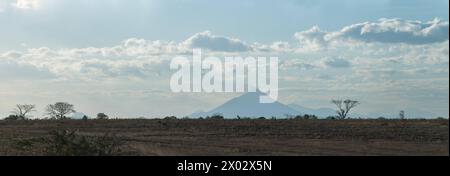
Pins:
<point x="344" y="107"/>
<point x="22" y="110"/>
<point x="59" y="110"/>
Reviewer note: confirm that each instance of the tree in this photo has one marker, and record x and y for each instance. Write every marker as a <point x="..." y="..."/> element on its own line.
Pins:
<point x="102" y="116"/>
<point x="402" y="115"/>
<point x="85" y="118"/>
<point x="59" y="110"/>
<point x="344" y="107"/>
<point x="22" y="110"/>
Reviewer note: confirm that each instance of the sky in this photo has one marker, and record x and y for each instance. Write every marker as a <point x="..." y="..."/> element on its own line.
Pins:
<point x="113" y="56"/>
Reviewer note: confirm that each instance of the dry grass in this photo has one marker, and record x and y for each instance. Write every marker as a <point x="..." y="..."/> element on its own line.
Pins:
<point x="242" y="137"/>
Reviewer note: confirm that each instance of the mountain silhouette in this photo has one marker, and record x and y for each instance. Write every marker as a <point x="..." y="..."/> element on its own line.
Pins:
<point x="320" y="112"/>
<point x="248" y="105"/>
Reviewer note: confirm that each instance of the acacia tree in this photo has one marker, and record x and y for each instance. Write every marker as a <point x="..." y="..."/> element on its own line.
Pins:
<point x="59" y="110"/>
<point x="102" y="116"/>
<point x="21" y="111"/>
<point x="344" y="107"/>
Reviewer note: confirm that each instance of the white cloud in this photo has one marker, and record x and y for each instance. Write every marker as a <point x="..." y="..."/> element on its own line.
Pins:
<point x="297" y="64"/>
<point x="373" y="68"/>
<point x="140" y="58"/>
<point x="312" y="39"/>
<point x="136" y="46"/>
<point x="11" y="55"/>
<point x="87" y="63"/>
<point x="395" y="31"/>
<point x="206" y="40"/>
<point x="384" y="31"/>
<point x="280" y="46"/>
<point x="133" y="58"/>
<point x="26" y="4"/>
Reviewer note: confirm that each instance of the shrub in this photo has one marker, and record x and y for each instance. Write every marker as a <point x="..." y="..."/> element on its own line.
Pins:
<point x="70" y="143"/>
<point x="170" y="118"/>
<point x="331" y="118"/>
<point x="102" y="116"/>
<point x="15" y="117"/>
<point x="216" y="117"/>
<point x="306" y="117"/>
<point x="381" y="118"/>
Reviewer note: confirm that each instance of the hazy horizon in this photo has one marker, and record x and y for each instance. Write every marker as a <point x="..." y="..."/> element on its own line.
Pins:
<point x="113" y="56"/>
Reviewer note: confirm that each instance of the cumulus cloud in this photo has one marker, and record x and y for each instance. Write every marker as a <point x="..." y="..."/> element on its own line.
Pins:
<point x="280" y="46"/>
<point x="140" y="58"/>
<point x="275" y="47"/>
<point x="136" y="46"/>
<point x="87" y="63"/>
<point x="206" y="40"/>
<point x="313" y="38"/>
<point x="395" y="31"/>
<point x="386" y="31"/>
<point x="132" y="58"/>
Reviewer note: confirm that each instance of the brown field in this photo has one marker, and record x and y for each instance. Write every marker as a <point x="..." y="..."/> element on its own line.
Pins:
<point x="244" y="137"/>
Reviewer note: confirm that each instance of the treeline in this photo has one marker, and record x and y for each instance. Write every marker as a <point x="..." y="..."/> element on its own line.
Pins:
<point x="61" y="110"/>
<point x="57" y="111"/>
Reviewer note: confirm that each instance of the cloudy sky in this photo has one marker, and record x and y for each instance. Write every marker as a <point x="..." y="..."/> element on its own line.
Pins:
<point x="113" y="55"/>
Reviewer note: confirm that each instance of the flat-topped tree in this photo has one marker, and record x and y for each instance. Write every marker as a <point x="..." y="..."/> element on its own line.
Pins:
<point x="344" y="107"/>
<point x="59" y="110"/>
<point x="102" y="116"/>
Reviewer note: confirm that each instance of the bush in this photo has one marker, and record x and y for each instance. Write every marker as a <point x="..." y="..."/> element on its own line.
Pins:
<point x="170" y="118"/>
<point x="102" y="116"/>
<point x="331" y="118"/>
<point x="215" y="117"/>
<point x="381" y="118"/>
<point x="306" y="117"/>
<point x="70" y="143"/>
<point x="15" y="117"/>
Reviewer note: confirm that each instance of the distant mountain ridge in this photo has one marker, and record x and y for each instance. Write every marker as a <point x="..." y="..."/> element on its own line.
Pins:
<point x="320" y="112"/>
<point x="247" y="105"/>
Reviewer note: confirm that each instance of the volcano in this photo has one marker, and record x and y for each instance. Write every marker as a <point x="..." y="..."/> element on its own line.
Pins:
<point x="248" y="105"/>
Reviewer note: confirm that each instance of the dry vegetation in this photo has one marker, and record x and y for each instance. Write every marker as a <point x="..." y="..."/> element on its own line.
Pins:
<point x="224" y="137"/>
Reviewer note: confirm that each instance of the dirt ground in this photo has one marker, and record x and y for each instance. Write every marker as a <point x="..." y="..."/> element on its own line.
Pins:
<point x="246" y="137"/>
